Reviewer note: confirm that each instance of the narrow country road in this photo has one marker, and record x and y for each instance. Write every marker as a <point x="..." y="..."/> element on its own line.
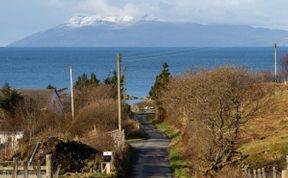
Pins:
<point x="152" y="156"/>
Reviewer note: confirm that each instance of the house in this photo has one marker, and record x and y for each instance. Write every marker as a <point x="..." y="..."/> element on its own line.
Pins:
<point x="11" y="137"/>
<point x="46" y="99"/>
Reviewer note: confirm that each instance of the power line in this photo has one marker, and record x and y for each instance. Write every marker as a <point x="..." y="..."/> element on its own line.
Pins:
<point x="157" y="55"/>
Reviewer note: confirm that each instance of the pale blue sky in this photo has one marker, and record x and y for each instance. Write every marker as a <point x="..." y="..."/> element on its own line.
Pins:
<point x="19" y="18"/>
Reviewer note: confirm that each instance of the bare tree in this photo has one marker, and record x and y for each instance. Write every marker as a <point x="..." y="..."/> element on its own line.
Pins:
<point x="213" y="104"/>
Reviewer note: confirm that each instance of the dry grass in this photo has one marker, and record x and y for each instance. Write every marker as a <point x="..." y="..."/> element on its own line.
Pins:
<point x="230" y="172"/>
<point x="100" y="115"/>
<point x="264" y="139"/>
<point x="96" y="109"/>
<point x="263" y="136"/>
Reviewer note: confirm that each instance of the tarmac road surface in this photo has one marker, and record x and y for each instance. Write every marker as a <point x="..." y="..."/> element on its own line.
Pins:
<point x="151" y="155"/>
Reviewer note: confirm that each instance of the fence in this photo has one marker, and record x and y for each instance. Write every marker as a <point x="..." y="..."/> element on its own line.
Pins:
<point x="268" y="172"/>
<point x="20" y="169"/>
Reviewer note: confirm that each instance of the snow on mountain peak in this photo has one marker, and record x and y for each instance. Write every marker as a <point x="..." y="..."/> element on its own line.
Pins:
<point x="81" y="21"/>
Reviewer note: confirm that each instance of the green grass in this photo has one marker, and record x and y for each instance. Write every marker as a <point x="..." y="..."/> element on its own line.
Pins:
<point x="269" y="151"/>
<point x="170" y="132"/>
<point x="179" y="164"/>
<point x="135" y="140"/>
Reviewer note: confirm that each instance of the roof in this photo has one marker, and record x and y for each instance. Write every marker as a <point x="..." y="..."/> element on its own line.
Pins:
<point x="41" y="96"/>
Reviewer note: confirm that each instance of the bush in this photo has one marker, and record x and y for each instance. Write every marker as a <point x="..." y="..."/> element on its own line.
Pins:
<point x="210" y="106"/>
<point x="101" y="115"/>
<point x="88" y="95"/>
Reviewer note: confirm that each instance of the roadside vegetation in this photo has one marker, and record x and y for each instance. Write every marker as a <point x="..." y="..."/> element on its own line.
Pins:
<point x="95" y="117"/>
<point x="178" y="162"/>
<point x="224" y="118"/>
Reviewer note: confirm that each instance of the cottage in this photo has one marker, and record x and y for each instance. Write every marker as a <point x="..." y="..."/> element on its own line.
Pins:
<point x="46" y="99"/>
<point x="11" y="137"/>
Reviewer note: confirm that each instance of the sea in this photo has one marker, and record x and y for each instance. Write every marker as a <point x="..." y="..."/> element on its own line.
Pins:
<point x="38" y="67"/>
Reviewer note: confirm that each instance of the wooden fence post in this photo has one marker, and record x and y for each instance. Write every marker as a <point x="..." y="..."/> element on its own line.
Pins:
<point x="249" y="173"/>
<point x="283" y="174"/>
<point x="263" y="173"/>
<point x="287" y="162"/>
<point x="15" y="168"/>
<point x="25" y="169"/>
<point x="259" y="173"/>
<point x="245" y="168"/>
<point x="38" y="169"/>
<point x="274" y="172"/>
<point x="254" y="173"/>
<point x="56" y="173"/>
<point x="48" y="166"/>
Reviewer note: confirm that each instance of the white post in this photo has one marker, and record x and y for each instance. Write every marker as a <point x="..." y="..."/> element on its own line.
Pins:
<point x="284" y="174"/>
<point x="259" y="173"/>
<point x="254" y="173"/>
<point x="287" y="162"/>
<point x="15" y="168"/>
<point x="72" y="92"/>
<point x="48" y="166"/>
<point x="263" y="173"/>
<point x="275" y="62"/>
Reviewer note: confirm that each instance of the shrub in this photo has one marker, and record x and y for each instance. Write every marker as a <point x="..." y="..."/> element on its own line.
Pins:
<point x="210" y="106"/>
<point x="101" y="114"/>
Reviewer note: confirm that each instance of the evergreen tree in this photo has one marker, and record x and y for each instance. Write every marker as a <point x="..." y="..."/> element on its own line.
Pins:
<point x="82" y="81"/>
<point x="160" y="83"/>
<point x="51" y="87"/>
<point x="111" y="79"/>
<point x="93" y="79"/>
<point x="9" y="98"/>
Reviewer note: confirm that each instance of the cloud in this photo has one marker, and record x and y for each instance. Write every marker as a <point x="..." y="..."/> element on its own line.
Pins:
<point x="249" y="12"/>
<point x="134" y="8"/>
<point x="103" y="7"/>
<point x="58" y="3"/>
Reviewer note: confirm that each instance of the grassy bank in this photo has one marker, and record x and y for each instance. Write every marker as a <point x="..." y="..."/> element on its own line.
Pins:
<point x="265" y="140"/>
<point x="178" y="163"/>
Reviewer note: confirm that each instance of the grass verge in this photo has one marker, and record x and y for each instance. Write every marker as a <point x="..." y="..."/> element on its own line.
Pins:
<point x="269" y="151"/>
<point x="178" y="163"/>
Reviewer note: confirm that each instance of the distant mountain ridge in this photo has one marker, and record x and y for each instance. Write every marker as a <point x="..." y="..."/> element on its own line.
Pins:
<point x="126" y="31"/>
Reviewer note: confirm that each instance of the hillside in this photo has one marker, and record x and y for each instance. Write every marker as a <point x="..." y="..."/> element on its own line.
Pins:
<point x="265" y="137"/>
<point x="126" y="31"/>
<point x="224" y="118"/>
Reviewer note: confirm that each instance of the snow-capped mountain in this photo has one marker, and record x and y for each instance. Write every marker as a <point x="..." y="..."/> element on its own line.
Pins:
<point x="126" y="31"/>
<point x="82" y="21"/>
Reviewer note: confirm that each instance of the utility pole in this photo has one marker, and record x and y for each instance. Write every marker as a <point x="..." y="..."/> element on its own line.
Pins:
<point x="119" y="91"/>
<point x="275" y="62"/>
<point x="124" y="85"/>
<point x="72" y="93"/>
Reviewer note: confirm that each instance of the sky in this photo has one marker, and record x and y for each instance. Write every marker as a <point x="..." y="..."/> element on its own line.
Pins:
<point x="19" y="18"/>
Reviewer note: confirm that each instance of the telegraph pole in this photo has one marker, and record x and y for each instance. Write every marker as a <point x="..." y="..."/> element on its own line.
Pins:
<point x="72" y="93"/>
<point x="119" y="90"/>
<point x="275" y="62"/>
<point x="124" y="85"/>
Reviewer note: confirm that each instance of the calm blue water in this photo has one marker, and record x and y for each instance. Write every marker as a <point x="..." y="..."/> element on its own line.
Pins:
<point x="38" y="67"/>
